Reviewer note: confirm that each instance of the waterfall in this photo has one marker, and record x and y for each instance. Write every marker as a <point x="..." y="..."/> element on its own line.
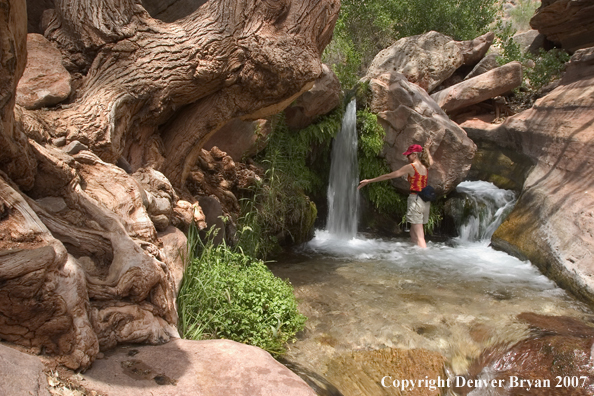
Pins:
<point x="483" y="210"/>
<point x="343" y="197"/>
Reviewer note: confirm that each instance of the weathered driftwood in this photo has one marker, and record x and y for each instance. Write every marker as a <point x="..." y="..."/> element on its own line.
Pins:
<point x="90" y="273"/>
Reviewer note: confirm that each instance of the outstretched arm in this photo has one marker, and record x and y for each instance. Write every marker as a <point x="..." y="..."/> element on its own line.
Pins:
<point x="406" y="169"/>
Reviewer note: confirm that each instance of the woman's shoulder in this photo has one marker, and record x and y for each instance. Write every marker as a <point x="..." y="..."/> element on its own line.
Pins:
<point x="422" y="169"/>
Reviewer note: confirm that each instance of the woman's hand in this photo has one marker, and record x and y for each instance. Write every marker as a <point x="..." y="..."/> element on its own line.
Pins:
<point x="363" y="183"/>
<point x="428" y="143"/>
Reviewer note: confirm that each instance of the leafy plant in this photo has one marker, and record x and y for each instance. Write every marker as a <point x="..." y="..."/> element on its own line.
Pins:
<point x="296" y="166"/>
<point x="521" y="14"/>
<point x="371" y="142"/>
<point x="228" y="294"/>
<point x="539" y="70"/>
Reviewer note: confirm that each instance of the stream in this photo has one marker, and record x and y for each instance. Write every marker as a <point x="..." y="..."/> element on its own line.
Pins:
<point x="371" y="301"/>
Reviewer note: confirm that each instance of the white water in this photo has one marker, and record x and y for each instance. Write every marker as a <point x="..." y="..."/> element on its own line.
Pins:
<point x="343" y="198"/>
<point x="489" y="206"/>
<point x="369" y="294"/>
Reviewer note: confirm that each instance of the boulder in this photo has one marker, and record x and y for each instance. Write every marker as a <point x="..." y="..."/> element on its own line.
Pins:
<point x="477" y="89"/>
<point x="45" y="81"/>
<point x="201" y="368"/>
<point x="489" y="62"/>
<point x="241" y="139"/>
<point x="428" y="59"/>
<point x="530" y="41"/>
<point x="321" y="99"/>
<point x="474" y="50"/>
<point x="553" y="222"/>
<point x="213" y="214"/>
<point x="504" y="167"/>
<point x="21" y="374"/>
<point x="409" y="115"/>
<point x="175" y="245"/>
<point x="566" y="22"/>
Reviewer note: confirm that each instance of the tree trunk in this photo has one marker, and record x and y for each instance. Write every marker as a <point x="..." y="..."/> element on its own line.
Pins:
<point x="81" y="264"/>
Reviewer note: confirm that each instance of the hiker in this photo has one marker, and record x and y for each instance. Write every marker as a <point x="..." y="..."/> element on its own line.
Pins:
<point x="417" y="212"/>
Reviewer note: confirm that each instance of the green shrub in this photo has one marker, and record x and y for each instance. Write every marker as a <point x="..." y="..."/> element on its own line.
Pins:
<point x="297" y="165"/>
<point x="521" y="14"/>
<point x="538" y="70"/>
<point x="227" y="294"/>
<point x="371" y="142"/>
<point x="366" y="27"/>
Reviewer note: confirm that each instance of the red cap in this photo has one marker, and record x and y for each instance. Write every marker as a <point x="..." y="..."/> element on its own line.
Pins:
<point x="415" y="148"/>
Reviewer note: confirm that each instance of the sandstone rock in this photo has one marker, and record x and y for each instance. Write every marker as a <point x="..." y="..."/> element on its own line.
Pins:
<point x="504" y="167"/>
<point x="201" y="368"/>
<point x="426" y="60"/>
<point x="477" y="89"/>
<point x="213" y="211"/>
<point x="171" y="10"/>
<point x="558" y="347"/>
<point x="530" y="41"/>
<point x="367" y="368"/>
<point x="409" y="116"/>
<point x="321" y="99"/>
<point x="175" y="251"/>
<point x="185" y="213"/>
<point x="489" y="62"/>
<point x="553" y="222"/>
<point x="74" y="147"/>
<point x="566" y="22"/>
<point x="241" y="139"/>
<point x="21" y="374"/>
<point x="474" y="50"/>
<point x="45" y="81"/>
<point x="52" y="204"/>
<point x="161" y="222"/>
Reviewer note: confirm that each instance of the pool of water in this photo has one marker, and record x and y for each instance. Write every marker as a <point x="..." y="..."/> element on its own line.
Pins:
<point x="455" y="298"/>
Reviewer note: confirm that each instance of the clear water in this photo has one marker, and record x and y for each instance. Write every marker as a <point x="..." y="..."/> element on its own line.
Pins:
<point x="367" y="294"/>
<point x="343" y="197"/>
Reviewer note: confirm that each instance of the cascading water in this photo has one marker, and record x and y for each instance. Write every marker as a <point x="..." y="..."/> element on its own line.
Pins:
<point x="483" y="210"/>
<point x="343" y="198"/>
<point x="454" y="299"/>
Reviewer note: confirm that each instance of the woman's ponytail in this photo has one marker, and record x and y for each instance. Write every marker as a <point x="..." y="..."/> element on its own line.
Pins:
<point x="425" y="157"/>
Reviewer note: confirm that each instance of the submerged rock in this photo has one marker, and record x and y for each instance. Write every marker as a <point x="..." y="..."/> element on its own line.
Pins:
<point x="375" y="372"/>
<point x="556" y="360"/>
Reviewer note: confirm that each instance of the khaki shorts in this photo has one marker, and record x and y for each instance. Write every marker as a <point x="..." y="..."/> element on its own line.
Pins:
<point x="417" y="211"/>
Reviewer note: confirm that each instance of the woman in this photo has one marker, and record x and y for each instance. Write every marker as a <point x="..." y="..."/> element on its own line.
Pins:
<point x="417" y="213"/>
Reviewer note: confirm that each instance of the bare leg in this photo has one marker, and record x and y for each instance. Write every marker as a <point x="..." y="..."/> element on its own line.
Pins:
<point x="417" y="235"/>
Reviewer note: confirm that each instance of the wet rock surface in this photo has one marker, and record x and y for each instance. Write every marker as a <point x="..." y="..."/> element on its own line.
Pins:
<point x="552" y="223"/>
<point x="558" y="359"/>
